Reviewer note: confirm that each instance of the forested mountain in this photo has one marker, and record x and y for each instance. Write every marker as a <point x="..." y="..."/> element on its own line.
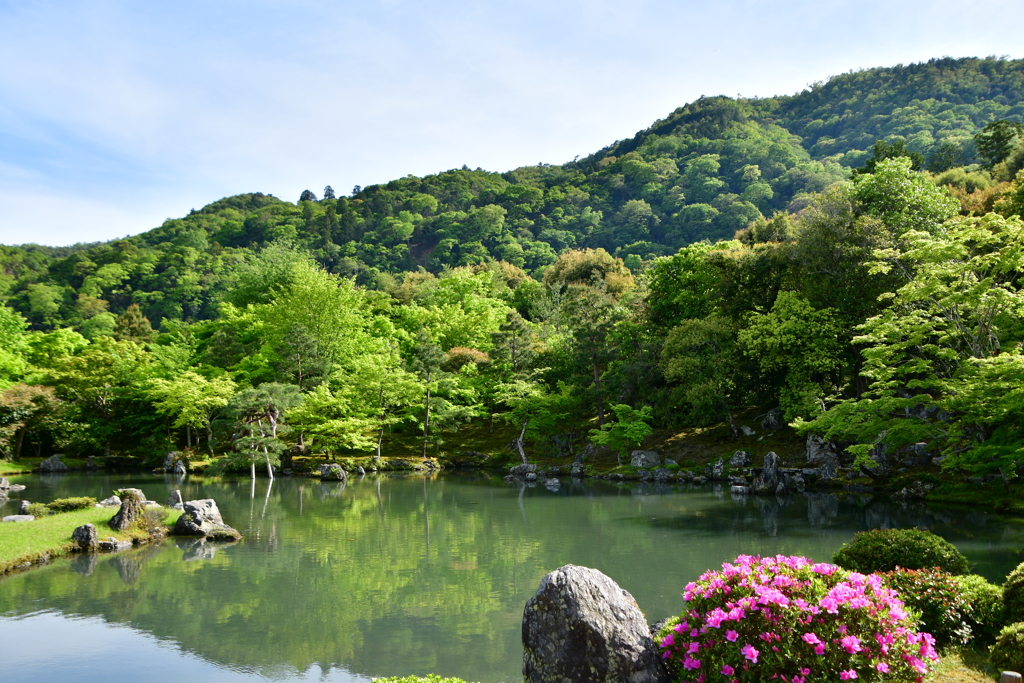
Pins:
<point x="848" y="255"/>
<point x="704" y="172"/>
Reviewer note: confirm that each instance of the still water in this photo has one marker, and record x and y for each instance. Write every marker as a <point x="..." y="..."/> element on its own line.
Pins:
<point x="392" y="576"/>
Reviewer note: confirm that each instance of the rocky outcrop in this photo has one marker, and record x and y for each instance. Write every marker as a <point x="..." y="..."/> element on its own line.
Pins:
<point x="582" y="627"/>
<point x="111" y="502"/>
<point x="133" y="504"/>
<point x="19" y="518"/>
<point x="175" y="500"/>
<point x="23" y="507"/>
<point x="113" y="545"/>
<point x="468" y="459"/>
<point x="202" y="518"/>
<point x="521" y="471"/>
<point x="333" y="472"/>
<point x="53" y="464"/>
<point x="740" y="459"/>
<point x="645" y="459"/>
<point x="773" y="421"/>
<point x="85" y="537"/>
<point x="767" y="479"/>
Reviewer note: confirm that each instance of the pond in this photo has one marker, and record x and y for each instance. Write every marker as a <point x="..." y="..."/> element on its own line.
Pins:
<point x="397" y="575"/>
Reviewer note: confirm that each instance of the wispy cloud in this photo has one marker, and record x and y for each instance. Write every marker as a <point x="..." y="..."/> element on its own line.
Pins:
<point x="114" y="115"/>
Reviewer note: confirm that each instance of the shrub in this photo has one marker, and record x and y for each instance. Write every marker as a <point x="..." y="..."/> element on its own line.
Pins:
<point x="937" y="598"/>
<point x="883" y="550"/>
<point x="38" y="510"/>
<point x="986" y="601"/>
<point x="71" y="504"/>
<point x="430" y="678"/>
<point x="1008" y="652"/>
<point x="1013" y="595"/>
<point x="765" y="619"/>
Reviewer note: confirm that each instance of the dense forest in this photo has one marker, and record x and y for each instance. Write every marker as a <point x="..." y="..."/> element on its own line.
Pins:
<point x="849" y="254"/>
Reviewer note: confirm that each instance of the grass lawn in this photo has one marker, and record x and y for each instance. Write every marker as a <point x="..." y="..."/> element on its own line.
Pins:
<point x="22" y="542"/>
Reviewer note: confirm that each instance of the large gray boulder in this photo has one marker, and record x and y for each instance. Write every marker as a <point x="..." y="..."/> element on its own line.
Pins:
<point x="582" y="627"/>
<point x="53" y="464"/>
<point x="740" y="459"/>
<point x="645" y="459"/>
<point x="4" y="484"/>
<point x="522" y="470"/>
<point x="19" y="518"/>
<point x="202" y="518"/>
<point x="767" y="480"/>
<point x="333" y="472"/>
<point x="86" y="537"/>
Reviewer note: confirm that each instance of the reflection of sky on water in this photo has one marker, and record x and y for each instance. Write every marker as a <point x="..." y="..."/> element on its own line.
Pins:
<point x="47" y="646"/>
<point x="405" y="575"/>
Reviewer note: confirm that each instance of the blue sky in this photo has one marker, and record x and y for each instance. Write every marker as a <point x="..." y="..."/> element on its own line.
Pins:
<point x="117" y="115"/>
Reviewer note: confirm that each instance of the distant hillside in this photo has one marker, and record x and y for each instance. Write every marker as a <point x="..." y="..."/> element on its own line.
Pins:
<point x="704" y="172"/>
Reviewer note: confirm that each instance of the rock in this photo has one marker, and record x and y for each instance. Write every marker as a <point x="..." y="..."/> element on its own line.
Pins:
<point x="740" y="459"/>
<point x="662" y="474"/>
<point x="747" y="431"/>
<point x="202" y="518"/>
<point x="175" y="462"/>
<point x="111" y="502"/>
<point x="577" y="472"/>
<point x="175" y="500"/>
<point x="582" y="627"/>
<point x="670" y="461"/>
<point x="53" y="464"/>
<point x="522" y="470"/>
<point x="4" y="484"/>
<point x="400" y="464"/>
<point x="645" y="459"/>
<point x="552" y="484"/>
<point x="530" y="476"/>
<point x="700" y="480"/>
<point x="19" y="518"/>
<point x="13" y="488"/>
<point x="333" y="472"/>
<point x="773" y="422"/>
<point x="767" y="479"/>
<point x="718" y="469"/>
<point x="86" y="537"/>
<point x="90" y="462"/>
<point x="132" y="506"/>
<point x="740" y="490"/>
<point x="23" y="507"/>
<point x="360" y="471"/>
<point x="467" y="459"/>
<point x="111" y="544"/>
<point x="644" y="475"/>
<point x="179" y="468"/>
<point x="915" y="491"/>
<point x="614" y="476"/>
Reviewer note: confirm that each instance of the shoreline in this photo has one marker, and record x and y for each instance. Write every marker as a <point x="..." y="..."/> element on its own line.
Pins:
<point x="25" y="545"/>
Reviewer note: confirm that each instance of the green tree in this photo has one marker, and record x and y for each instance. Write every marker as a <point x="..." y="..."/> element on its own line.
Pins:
<point x="628" y="430"/>
<point x="427" y="361"/>
<point x="132" y="325"/>
<point x="260" y="413"/>
<point x="996" y="140"/>
<point x="192" y="401"/>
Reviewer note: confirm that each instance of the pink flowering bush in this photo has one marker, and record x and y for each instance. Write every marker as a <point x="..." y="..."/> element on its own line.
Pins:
<point x="789" y="619"/>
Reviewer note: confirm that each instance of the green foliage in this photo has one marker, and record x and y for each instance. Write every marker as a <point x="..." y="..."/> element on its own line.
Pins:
<point x="986" y="615"/>
<point x="71" y="504"/>
<point x="936" y="597"/>
<point x="1008" y="652"/>
<point x="884" y="550"/>
<point x="38" y="510"/>
<point x="628" y="430"/>
<point x="429" y="678"/>
<point x="1013" y="595"/>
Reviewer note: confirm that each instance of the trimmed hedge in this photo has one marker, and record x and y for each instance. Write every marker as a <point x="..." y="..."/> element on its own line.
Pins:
<point x="71" y="504"/>
<point x="936" y="597"/>
<point x="883" y="550"/>
<point x="1008" y="652"/>
<point x="986" y="601"/>
<point x="1013" y="595"/>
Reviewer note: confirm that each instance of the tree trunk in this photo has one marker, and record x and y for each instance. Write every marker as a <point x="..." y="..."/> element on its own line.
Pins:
<point x="188" y="436"/>
<point x="426" y="420"/>
<point x="131" y="509"/>
<point x="380" y="438"/>
<point x="209" y="437"/>
<point x="18" y="444"/>
<point x="600" y="399"/>
<point x="270" y="469"/>
<point x="252" y="470"/>
<point x="732" y="424"/>
<point x="519" y="442"/>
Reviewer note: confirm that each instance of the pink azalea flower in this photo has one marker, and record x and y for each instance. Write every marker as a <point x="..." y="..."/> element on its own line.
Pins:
<point x="811" y="638"/>
<point x="750" y="652"/>
<point x="882" y="667"/>
<point x="731" y="636"/>
<point x="728" y="670"/>
<point x="847" y="675"/>
<point x="819" y="649"/>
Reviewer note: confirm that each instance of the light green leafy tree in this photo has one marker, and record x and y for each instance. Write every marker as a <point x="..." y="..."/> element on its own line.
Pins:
<point x="191" y="400"/>
<point x="628" y="430"/>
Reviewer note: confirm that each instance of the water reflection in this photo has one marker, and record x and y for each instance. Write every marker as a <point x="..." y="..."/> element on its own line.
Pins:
<point x="399" y="575"/>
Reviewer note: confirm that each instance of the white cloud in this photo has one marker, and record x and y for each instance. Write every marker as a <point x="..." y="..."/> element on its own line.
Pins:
<point x="133" y="112"/>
